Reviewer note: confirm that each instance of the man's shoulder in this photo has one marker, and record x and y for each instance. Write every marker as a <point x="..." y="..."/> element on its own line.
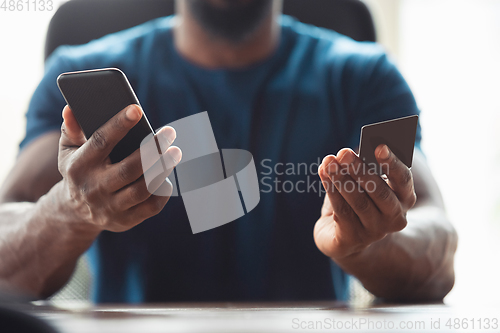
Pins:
<point x="114" y="48"/>
<point x="330" y="46"/>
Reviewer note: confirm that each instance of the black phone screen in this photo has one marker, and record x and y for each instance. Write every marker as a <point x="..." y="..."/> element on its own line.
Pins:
<point x="96" y="96"/>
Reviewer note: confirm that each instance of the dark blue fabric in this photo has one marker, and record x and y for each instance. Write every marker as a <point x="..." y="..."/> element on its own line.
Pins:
<point x="309" y="99"/>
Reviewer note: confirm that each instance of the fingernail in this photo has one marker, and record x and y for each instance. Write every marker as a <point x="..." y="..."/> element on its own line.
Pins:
<point x="384" y="153"/>
<point x="175" y="154"/>
<point x="166" y="138"/>
<point x="347" y="158"/>
<point x="133" y="113"/>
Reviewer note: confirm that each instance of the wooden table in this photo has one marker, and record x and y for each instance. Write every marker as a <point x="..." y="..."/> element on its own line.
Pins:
<point x="265" y="317"/>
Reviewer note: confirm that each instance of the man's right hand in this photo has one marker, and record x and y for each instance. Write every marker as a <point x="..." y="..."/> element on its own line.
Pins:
<point x="108" y="196"/>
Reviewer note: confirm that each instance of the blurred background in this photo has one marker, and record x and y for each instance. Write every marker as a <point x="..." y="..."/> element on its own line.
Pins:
<point x="448" y="50"/>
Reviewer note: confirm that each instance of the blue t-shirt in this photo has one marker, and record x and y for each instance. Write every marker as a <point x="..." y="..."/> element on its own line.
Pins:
<point x="307" y="100"/>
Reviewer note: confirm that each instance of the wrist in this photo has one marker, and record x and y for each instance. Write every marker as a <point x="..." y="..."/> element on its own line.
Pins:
<point x="366" y="257"/>
<point x="62" y="210"/>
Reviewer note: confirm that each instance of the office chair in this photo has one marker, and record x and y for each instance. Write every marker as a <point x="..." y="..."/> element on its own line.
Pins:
<point x="80" y="21"/>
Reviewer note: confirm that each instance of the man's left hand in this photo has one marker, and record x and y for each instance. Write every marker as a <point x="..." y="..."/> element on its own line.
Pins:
<point x="361" y="208"/>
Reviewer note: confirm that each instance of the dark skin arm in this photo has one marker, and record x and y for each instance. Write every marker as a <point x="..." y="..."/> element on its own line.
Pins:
<point x="63" y="192"/>
<point x="400" y="248"/>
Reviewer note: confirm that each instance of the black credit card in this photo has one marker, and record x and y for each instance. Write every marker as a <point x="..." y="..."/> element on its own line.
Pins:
<point x="398" y="134"/>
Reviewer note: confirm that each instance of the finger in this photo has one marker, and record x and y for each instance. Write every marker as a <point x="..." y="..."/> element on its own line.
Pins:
<point x="104" y="139"/>
<point x="325" y="236"/>
<point x="71" y="137"/>
<point x="131" y="195"/>
<point x="135" y="215"/>
<point x="71" y="132"/>
<point x="155" y="175"/>
<point x="153" y="205"/>
<point x="342" y="211"/>
<point x="153" y="147"/>
<point x="132" y="167"/>
<point x="140" y="190"/>
<point x="354" y="195"/>
<point x="343" y="234"/>
<point x="327" y="209"/>
<point x="400" y="178"/>
<point x="383" y="197"/>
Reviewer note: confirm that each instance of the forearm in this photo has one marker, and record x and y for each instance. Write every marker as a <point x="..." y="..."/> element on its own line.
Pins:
<point x="41" y="242"/>
<point x="415" y="264"/>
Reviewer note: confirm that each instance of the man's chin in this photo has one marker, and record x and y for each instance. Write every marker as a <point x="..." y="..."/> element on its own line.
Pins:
<point x="233" y="20"/>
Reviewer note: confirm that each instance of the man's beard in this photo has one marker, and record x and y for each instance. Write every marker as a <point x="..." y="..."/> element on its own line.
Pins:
<point x="232" y="20"/>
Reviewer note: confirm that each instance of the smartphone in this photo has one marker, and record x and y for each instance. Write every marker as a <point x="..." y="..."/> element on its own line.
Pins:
<point x="96" y="96"/>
